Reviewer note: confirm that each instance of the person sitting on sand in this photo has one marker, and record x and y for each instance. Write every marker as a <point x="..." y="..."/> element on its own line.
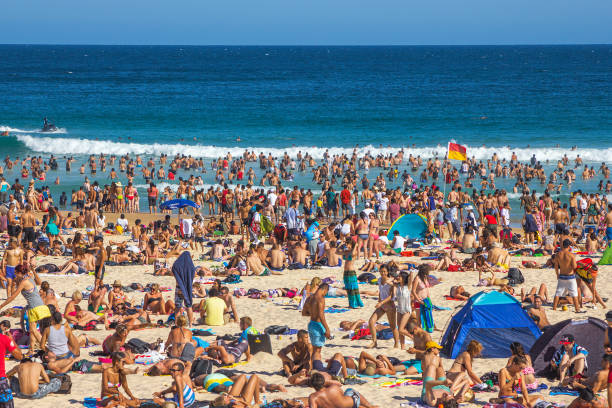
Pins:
<point x="117" y="296"/>
<point x="596" y="382"/>
<point x="97" y="298"/>
<point x="447" y="260"/>
<point x="587" y="398"/>
<point x="498" y="256"/>
<point x="277" y="260"/>
<point x="27" y="384"/>
<point x="437" y="389"/>
<point x="517" y="349"/>
<point x="114" y="378"/>
<point x="255" y="266"/>
<point x="154" y="302"/>
<point x="463" y="363"/>
<point x="511" y="377"/>
<point x="538" y="314"/>
<point x="180" y="342"/>
<point x="116" y="342"/>
<point x="330" y="395"/>
<point x="297" y="355"/>
<point x="181" y="388"/>
<point x="213" y="309"/>
<point x="132" y="318"/>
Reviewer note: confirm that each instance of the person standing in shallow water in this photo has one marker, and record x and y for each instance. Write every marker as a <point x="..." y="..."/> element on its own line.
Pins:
<point x="349" y="253"/>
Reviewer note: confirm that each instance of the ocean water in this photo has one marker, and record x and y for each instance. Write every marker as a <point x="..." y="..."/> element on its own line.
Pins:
<point x="196" y="100"/>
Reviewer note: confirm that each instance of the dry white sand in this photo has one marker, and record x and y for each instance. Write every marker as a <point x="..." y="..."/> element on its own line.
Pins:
<point x="281" y="311"/>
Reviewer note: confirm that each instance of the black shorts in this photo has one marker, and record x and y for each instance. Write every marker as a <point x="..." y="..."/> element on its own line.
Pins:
<point x="100" y="275"/>
<point x="345" y="206"/>
<point x="152" y="201"/>
<point x="333" y="368"/>
<point x="29" y="235"/>
<point x="559" y="228"/>
<point x="227" y="208"/>
<point x="80" y="204"/>
<point x="573" y="211"/>
<point x="13" y="230"/>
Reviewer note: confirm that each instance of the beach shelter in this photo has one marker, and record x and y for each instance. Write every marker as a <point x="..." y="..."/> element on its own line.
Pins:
<point x="587" y="332"/>
<point x="409" y="226"/>
<point x="495" y="319"/>
<point x="606" y="258"/>
<point x="178" y="204"/>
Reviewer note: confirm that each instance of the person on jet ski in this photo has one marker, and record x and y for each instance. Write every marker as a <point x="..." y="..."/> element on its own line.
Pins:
<point x="45" y="122"/>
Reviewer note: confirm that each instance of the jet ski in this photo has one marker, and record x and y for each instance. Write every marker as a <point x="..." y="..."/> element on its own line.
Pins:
<point x="48" y="127"/>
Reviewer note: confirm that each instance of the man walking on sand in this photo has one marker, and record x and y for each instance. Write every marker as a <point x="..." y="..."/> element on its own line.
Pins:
<point x="608" y="222"/>
<point x="318" y="330"/>
<point x="565" y="267"/>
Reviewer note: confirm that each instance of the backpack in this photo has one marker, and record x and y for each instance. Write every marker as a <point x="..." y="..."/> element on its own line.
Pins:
<point x="586" y="270"/>
<point x="200" y="367"/>
<point x="259" y="342"/>
<point x="66" y="383"/>
<point x="137" y="346"/>
<point x="515" y="276"/>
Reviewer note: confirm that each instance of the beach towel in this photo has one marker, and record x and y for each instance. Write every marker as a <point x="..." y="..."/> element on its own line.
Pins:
<point x="334" y="309"/>
<point x="399" y="383"/>
<point x="352" y="289"/>
<point x="427" y="322"/>
<point x="435" y="307"/>
<point x="452" y="298"/>
<point x="184" y="273"/>
<point x="562" y="391"/>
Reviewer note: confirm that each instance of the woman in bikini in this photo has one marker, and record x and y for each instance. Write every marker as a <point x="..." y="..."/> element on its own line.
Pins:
<point x="116" y="296"/>
<point x="349" y="253"/>
<point x="361" y="229"/>
<point x="511" y="379"/>
<point x="114" y="378"/>
<point x="179" y="343"/>
<point x="385" y="305"/>
<point x="517" y="349"/>
<point x="463" y="362"/>
<point x="421" y="299"/>
<point x="154" y="302"/>
<point x="242" y="394"/>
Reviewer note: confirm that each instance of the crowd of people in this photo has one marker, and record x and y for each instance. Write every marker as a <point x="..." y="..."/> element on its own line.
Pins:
<point x="261" y="228"/>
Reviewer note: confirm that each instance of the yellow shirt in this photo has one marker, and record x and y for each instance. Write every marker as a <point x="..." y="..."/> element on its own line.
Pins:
<point x="214" y="308"/>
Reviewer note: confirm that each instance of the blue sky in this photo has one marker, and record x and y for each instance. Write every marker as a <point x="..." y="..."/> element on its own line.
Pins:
<point x="312" y="22"/>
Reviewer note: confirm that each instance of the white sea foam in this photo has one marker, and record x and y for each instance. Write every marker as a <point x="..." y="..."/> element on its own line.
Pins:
<point x="74" y="146"/>
<point x="17" y="130"/>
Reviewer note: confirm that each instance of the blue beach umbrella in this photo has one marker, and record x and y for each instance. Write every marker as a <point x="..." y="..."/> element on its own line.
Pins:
<point x="177" y="204"/>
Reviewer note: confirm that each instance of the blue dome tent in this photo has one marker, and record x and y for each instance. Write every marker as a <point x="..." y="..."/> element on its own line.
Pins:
<point x="495" y="319"/>
<point x="409" y="226"/>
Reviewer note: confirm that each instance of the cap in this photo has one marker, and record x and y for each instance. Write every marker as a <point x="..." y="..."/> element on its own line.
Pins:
<point x="117" y="283"/>
<point x="609" y="316"/>
<point x="432" y="344"/>
<point x="118" y="184"/>
<point x="566" y="339"/>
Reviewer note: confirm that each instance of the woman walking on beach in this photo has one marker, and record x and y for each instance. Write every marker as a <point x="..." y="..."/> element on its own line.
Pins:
<point x="385" y="305"/>
<point x="351" y="285"/>
<point x="362" y="231"/>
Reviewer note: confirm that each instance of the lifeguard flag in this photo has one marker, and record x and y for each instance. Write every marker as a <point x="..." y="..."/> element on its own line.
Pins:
<point x="456" y="152"/>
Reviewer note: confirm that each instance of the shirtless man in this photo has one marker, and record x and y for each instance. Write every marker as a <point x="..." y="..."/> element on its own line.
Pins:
<point x="299" y="255"/>
<point x="329" y="395"/>
<point x="27" y="382"/>
<point x="255" y="266"/>
<point x="230" y="304"/>
<point x="14" y="256"/>
<point x="277" y="258"/>
<point x="100" y="259"/>
<point x="499" y="256"/>
<point x="297" y="356"/>
<point x="565" y="267"/>
<point x="420" y="338"/>
<point x="538" y="314"/>
<point x="314" y="307"/>
<point x="561" y="219"/>
<point x="91" y="222"/>
<point x="28" y="221"/>
<point x="598" y="381"/>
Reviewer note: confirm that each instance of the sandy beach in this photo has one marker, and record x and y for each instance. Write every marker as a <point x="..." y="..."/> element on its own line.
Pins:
<point x="282" y="311"/>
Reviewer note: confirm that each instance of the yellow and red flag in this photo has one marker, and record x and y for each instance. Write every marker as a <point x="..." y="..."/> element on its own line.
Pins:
<point x="456" y="152"/>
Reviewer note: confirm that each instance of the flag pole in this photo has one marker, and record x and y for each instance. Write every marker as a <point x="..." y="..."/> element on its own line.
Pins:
<point x="444" y="165"/>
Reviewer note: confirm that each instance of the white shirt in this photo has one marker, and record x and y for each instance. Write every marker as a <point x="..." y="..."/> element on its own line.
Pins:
<point x="399" y="242"/>
<point x="272" y="198"/>
<point x="123" y="222"/>
<point x="505" y="214"/>
<point x="187" y="226"/>
<point x="383" y="204"/>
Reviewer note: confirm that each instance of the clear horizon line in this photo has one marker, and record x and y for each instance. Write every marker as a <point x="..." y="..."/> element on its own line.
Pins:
<point x="305" y="45"/>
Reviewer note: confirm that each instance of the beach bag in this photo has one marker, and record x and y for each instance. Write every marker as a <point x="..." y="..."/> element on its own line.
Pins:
<point x="200" y="367"/>
<point x="586" y="270"/>
<point x="515" y="276"/>
<point x="366" y="277"/>
<point x="66" y="383"/>
<point x="137" y="346"/>
<point x="259" y="342"/>
<point x="384" y="334"/>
